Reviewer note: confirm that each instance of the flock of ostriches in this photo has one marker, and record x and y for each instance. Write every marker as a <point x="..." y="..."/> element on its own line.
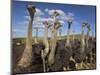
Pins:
<point x="66" y="57"/>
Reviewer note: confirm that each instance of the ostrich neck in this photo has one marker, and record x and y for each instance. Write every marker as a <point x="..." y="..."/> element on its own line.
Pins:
<point x="46" y="38"/>
<point x="29" y="34"/>
<point x="53" y="38"/>
<point x="53" y="41"/>
<point x="83" y="32"/>
<point x="36" y="32"/>
<point x="82" y="40"/>
<point x="88" y="33"/>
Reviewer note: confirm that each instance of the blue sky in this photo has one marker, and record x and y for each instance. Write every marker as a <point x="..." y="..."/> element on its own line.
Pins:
<point x="79" y="13"/>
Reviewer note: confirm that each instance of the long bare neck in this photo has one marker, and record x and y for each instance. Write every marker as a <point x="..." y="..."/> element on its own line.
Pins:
<point x="46" y="32"/>
<point x="82" y="40"/>
<point x="29" y="34"/>
<point x="46" y="37"/>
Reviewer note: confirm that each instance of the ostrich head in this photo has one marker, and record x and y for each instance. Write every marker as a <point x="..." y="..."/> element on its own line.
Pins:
<point x="58" y="25"/>
<point x="88" y="27"/>
<point x="31" y="10"/>
<point x="55" y="14"/>
<point x="84" y="24"/>
<point x="47" y="24"/>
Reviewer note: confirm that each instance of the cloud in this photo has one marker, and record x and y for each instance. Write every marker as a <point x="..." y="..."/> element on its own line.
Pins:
<point x="70" y="14"/>
<point x="62" y="16"/>
<point x="50" y="12"/>
<point x="42" y="19"/>
<point x="18" y="31"/>
<point x="39" y="12"/>
<point x="61" y="21"/>
<point x="46" y="10"/>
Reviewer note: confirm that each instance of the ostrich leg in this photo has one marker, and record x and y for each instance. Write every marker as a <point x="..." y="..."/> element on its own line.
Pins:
<point x="26" y="58"/>
<point x="43" y="60"/>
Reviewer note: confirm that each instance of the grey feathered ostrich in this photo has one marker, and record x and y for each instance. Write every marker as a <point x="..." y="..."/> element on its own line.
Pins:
<point x="53" y="39"/>
<point x="46" y="42"/>
<point x="27" y="56"/>
<point x="45" y="52"/>
<point x="82" y="55"/>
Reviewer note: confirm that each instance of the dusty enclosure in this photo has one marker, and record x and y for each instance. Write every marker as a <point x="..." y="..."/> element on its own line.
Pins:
<point x="52" y="37"/>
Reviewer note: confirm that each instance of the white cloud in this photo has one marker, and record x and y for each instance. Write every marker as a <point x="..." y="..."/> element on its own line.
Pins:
<point x="70" y="14"/>
<point x="39" y="12"/>
<point x="61" y="21"/>
<point x="63" y="15"/>
<point x="46" y="10"/>
<point x="42" y="19"/>
<point x="50" y="12"/>
<point x="18" y="31"/>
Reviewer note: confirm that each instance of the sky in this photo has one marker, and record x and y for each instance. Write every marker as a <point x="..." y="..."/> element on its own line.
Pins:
<point x="78" y="14"/>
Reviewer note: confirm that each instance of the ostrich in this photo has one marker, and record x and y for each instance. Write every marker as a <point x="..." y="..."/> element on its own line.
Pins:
<point x="46" y="42"/>
<point x="53" y="40"/>
<point x="61" y="55"/>
<point x="82" y="36"/>
<point x="44" y="52"/>
<point x="27" y="56"/>
<point x="69" y="21"/>
<point x="81" y="56"/>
